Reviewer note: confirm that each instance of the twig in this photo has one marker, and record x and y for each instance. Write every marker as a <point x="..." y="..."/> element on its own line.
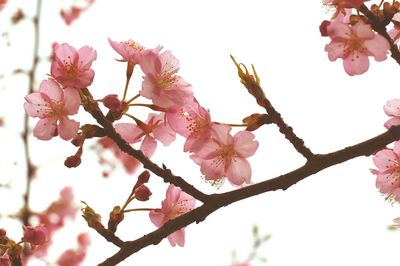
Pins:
<point x="92" y="107"/>
<point x="30" y="167"/>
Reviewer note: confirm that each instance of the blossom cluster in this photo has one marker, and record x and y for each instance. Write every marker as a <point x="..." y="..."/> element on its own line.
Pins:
<point x="352" y="36"/>
<point x="388" y="160"/>
<point x="219" y="153"/>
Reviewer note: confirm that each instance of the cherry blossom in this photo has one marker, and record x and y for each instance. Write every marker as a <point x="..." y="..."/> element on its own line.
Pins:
<point x="225" y="156"/>
<point x="161" y="84"/>
<point x="71" y="68"/>
<point x="129" y="50"/>
<point x="37" y="235"/>
<point x="392" y="108"/>
<point x="388" y="173"/>
<point x="175" y="204"/>
<point x="191" y="121"/>
<point x="354" y="44"/>
<point x="52" y="104"/>
<point x="154" y="128"/>
<point x="72" y="13"/>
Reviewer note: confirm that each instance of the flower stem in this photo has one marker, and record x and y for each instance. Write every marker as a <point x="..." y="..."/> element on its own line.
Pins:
<point x="141" y="209"/>
<point x="132" y="99"/>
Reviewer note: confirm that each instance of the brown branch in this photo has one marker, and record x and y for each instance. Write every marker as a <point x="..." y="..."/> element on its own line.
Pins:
<point x="26" y="213"/>
<point x="252" y="84"/>
<point x="92" y="107"/>
<point x="312" y="166"/>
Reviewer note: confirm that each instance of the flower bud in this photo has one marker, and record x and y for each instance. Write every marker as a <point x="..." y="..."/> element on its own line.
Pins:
<point x="142" y="179"/>
<point x="38" y="235"/>
<point x="112" y="102"/>
<point x="116" y="217"/>
<point x="142" y="193"/>
<point x="72" y="161"/>
<point x="323" y="28"/>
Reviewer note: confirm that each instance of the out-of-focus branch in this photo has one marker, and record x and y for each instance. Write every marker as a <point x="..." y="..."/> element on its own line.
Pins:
<point x="312" y="166"/>
<point x="25" y="215"/>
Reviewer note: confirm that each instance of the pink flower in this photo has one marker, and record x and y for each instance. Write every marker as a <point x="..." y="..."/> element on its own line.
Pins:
<point x="2" y="4"/>
<point x="354" y="44"/>
<point x="175" y="204"/>
<point x="71" y="68"/>
<point x="74" y="12"/>
<point x="388" y="174"/>
<point x="225" y="156"/>
<point x="154" y="128"/>
<point x="129" y="50"/>
<point x="70" y="15"/>
<point x="37" y="236"/>
<point x="191" y="121"/>
<point x="160" y="83"/>
<point x="52" y="104"/>
<point x="392" y="108"/>
<point x="71" y="257"/>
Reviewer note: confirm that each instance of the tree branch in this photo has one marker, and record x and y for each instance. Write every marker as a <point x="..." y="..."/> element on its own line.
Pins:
<point x="312" y="166"/>
<point x="92" y="107"/>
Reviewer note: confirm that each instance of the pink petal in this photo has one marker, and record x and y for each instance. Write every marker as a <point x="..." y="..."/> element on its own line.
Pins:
<point x="150" y="63"/>
<point x="148" y="146"/>
<point x="72" y="101"/>
<point x="339" y="31"/>
<point x="244" y="143"/>
<point x="131" y="133"/>
<point x="356" y="63"/>
<point x="220" y="132"/>
<point x="377" y="47"/>
<point x="392" y="107"/>
<point x="172" y="195"/>
<point x="239" y="171"/>
<point x="169" y="63"/>
<point x="68" y="128"/>
<point x="45" y="129"/>
<point x="86" y="56"/>
<point x="213" y="169"/>
<point x="335" y="50"/>
<point x="395" y="121"/>
<point x="65" y="52"/>
<point x="363" y="31"/>
<point x="36" y="106"/>
<point x="51" y="89"/>
<point x="157" y="218"/>
<point x="385" y="159"/>
<point x="178" y="237"/>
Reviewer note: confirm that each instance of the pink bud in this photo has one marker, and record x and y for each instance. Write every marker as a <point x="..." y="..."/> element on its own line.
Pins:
<point x="83" y="240"/>
<point x="38" y="235"/>
<point x="142" y="193"/>
<point x="323" y="28"/>
<point x="112" y="102"/>
<point x="72" y="161"/>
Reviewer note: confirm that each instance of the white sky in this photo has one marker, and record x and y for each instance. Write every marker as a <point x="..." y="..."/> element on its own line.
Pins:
<point x="336" y="217"/>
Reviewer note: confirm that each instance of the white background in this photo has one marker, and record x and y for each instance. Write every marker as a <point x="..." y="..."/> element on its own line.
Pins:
<point x="335" y="217"/>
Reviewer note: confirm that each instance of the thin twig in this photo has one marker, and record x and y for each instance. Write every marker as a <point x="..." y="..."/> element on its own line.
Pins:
<point x="30" y="167"/>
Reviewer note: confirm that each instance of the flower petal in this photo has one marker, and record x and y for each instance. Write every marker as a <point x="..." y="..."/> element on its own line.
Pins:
<point x="239" y="171"/>
<point x="68" y="128"/>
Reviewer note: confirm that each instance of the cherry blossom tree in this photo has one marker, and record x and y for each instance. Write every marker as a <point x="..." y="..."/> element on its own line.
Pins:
<point x="219" y="150"/>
